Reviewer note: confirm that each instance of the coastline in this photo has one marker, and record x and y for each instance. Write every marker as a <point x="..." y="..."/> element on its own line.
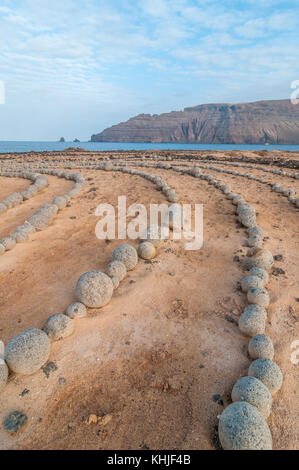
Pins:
<point x="12" y="147"/>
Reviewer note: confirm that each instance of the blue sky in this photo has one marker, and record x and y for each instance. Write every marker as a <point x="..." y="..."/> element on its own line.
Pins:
<point x="73" y="67"/>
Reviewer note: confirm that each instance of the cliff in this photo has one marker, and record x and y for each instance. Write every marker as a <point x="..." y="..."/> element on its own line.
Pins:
<point x="273" y="122"/>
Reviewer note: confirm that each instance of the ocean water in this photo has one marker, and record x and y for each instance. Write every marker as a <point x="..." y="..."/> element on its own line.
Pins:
<point x="26" y="146"/>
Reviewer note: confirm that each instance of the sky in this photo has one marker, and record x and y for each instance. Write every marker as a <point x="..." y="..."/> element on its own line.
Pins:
<point x="74" y="67"/>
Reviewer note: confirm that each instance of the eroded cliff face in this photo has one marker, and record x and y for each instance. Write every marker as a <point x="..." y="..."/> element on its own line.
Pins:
<point x="273" y="122"/>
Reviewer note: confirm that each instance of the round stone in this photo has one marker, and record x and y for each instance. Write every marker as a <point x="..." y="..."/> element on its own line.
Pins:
<point x="8" y="242"/>
<point x="172" y="196"/>
<point x="13" y="200"/>
<point x="108" y="166"/>
<point x="261" y="347"/>
<point x="27" y="352"/>
<point x="127" y="255"/>
<point x="116" y="269"/>
<point x="253" y="391"/>
<point x="26" y="227"/>
<point x="43" y="216"/>
<point x="255" y="240"/>
<point x="152" y="234"/>
<point x="260" y="258"/>
<point x="146" y="250"/>
<point x="226" y="189"/>
<point x="58" y="326"/>
<point x="94" y="289"/>
<point x="243" y="427"/>
<point x="60" y="202"/>
<point x="3" y="208"/>
<point x="41" y="182"/>
<point x="237" y="198"/>
<point x="256" y="230"/>
<point x="115" y="281"/>
<point x="251" y="281"/>
<point x="196" y="171"/>
<point x="20" y="236"/>
<point x="267" y="372"/>
<point x="261" y="273"/>
<point x="76" y="310"/>
<point x="30" y="192"/>
<point x="244" y="208"/>
<point x="258" y="296"/>
<point x="252" y="322"/>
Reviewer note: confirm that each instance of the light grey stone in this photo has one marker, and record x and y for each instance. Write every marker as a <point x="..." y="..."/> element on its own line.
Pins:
<point x="146" y="250"/>
<point x="261" y="273"/>
<point x="27" y="352"/>
<point x="259" y="258"/>
<point x="116" y="269"/>
<point x="94" y="289"/>
<point x="8" y="242"/>
<point x="251" y="281"/>
<point x="76" y="310"/>
<point x="252" y="322"/>
<point x="59" y="326"/>
<point x="267" y="372"/>
<point x="261" y="347"/>
<point x="127" y="254"/>
<point x="253" y="391"/>
<point x="258" y="296"/>
<point x="242" y="427"/>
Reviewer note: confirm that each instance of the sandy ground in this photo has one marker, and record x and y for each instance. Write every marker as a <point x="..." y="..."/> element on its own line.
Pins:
<point x="154" y="358"/>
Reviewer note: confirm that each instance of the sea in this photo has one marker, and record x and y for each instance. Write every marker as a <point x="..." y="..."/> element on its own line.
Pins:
<point x="27" y="146"/>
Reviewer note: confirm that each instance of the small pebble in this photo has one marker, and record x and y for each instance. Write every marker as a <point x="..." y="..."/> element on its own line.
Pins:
<point x="48" y="368"/>
<point x="76" y="310"/>
<point x="15" y="421"/>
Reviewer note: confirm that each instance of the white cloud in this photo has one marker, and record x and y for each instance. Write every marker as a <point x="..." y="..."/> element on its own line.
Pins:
<point x="131" y="54"/>
<point x="252" y="28"/>
<point x="284" y="21"/>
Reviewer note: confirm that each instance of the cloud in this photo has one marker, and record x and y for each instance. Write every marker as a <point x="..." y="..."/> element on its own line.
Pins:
<point x="252" y="29"/>
<point x="269" y="25"/>
<point x="141" y="56"/>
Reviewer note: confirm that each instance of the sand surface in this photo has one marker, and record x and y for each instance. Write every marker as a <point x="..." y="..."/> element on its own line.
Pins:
<point x="154" y="358"/>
